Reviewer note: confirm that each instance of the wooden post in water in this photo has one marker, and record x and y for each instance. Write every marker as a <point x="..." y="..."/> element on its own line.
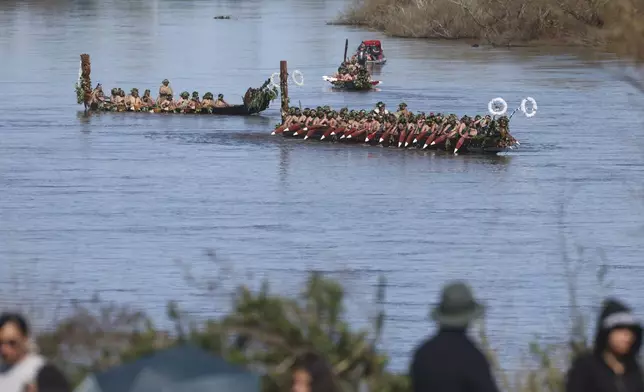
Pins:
<point x="85" y="82"/>
<point x="284" y="88"/>
<point x="346" y="47"/>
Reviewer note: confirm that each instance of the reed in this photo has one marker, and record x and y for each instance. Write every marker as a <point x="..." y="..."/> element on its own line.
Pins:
<point x="504" y="22"/>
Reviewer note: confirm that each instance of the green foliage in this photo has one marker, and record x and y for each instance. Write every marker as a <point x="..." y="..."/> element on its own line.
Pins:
<point x="257" y="100"/>
<point x="267" y="331"/>
<point x="79" y="93"/>
<point x="361" y="82"/>
<point x="264" y="330"/>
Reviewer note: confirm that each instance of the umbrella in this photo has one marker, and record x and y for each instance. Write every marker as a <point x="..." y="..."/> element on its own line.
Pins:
<point x="177" y="369"/>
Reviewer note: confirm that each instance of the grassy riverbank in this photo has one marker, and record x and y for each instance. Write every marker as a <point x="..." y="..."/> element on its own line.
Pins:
<point x="268" y="331"/>
<point x="505" y="22"/>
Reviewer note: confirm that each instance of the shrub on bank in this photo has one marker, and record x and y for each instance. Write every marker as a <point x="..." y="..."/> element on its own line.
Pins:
<point x="499" y="22"/>
<point x="267" y="331"/>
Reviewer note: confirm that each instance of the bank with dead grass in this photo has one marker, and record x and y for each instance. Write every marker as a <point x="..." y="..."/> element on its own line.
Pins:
<point x="501" y="22"/>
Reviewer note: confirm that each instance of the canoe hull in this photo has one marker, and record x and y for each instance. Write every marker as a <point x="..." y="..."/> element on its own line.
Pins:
<point x="447" y="146"/>
<point x="381" y="61"/>
<point x="336" y="84"/>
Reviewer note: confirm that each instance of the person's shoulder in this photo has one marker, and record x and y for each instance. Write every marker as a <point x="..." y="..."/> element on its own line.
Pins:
<point x="426" y="345"/>
<point x="35" y="361"/>
<point x="583" y="361"/>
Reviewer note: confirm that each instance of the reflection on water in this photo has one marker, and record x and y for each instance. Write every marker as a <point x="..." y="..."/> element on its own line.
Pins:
<point x="107" y="202"/>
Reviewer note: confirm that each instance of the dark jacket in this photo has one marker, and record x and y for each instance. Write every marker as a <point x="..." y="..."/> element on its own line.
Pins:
<point x="51" y="379"/>
<point x="450" y="362"/>
<point x="590" y="373"/>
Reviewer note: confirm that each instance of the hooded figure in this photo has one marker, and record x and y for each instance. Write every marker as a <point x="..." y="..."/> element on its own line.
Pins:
<point x="450" y="361"/>
<point x="612" y="365"/>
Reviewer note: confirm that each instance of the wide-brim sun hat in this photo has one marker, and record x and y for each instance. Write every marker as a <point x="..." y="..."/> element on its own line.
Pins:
<point x="457" y="307"/>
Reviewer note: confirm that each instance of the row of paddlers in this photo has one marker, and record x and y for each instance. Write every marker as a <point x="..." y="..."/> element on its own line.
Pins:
<point x="395" y="137"/>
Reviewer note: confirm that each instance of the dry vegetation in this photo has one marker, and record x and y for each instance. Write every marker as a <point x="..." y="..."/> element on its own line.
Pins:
<point x="505" y="22"/>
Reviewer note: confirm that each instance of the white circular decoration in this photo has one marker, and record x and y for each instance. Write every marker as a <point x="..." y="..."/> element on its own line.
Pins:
<point x="497" y="106"/>
<point x="533" y="107"/>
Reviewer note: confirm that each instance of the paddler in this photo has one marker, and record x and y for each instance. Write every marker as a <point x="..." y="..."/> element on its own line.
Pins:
<point x="402" y="110"/>
<point x="390" y="129"/>
<point x="195" y="104"/>
<point x="381" y="109"/>
<point x="167" y="103"/>
<point x="133" y="101"/>
<point x="401" y="126"/>
<point x="332" y="120"/>
<point x="147" y="100"/>
<point x="208" y="101"/>
<point x="409" y="130"/>
<point x="220" y="103"/>
<point x="111" y="105"/>
<point x="290" y="118"/>
<point x="184" y="100"/>
<point x="320" y="119"/>
<point x="165" y="89"/>
<point x="372" y="124"/>
<point x="425" y="129"/>
<point x="503" y="123"/>
<point x="120" y="101"/>
<point x="98" y="97"/>
<point x="114" y="97"/>
<point x="301" y="116"/>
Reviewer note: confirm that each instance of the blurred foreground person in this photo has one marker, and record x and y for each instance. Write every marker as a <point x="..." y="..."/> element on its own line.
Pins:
<point x="20" y="364"/>
<point x="450" y="361"/>
<point x="50" y="379"/>
<point x="612" y="366"/>
<point x="311" y="373"/>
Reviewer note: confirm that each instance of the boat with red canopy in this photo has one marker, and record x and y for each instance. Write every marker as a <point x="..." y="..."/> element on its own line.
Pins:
<point x="373" y="49"/>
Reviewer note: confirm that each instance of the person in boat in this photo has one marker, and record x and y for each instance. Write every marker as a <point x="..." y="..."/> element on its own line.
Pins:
<point x="300" y="116"/>
<point x="469" y="130"/>
<point x="133" y="101"/>
<point x="401" y="125"/>
<point x="118" y="99"/>
<point x="362" y="56"/>
<point x="381" y="109"/>
<point x="290" y="118"/>
<point x="343" y="75"/>
<point x="332" y="120"/>
<point x="166" y="103"/>
<point x="321" y="119"/>
<point x="310" y="119"/>
<point x="402" y="110"/>
<point x="412" y="126"/>
<point x="184" y="100"/>
<point x="195" y="103"/>
<point x="98" y="97"/>
<point x="114" y="96"/>
<point x="122" y="95"/>
<point x="208" y="101"/>
<point x="146" y="100"/>
<point x="165" y="89"/>
<point x="502" y="126"/>
<point x="220" y="103"/>
<point x="391" y="129"/>
<point x="372" y="123"/>
<point x="375" y="52"/>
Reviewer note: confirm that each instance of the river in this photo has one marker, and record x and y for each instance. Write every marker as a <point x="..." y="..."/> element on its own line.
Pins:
<point x="122" y="204"/>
